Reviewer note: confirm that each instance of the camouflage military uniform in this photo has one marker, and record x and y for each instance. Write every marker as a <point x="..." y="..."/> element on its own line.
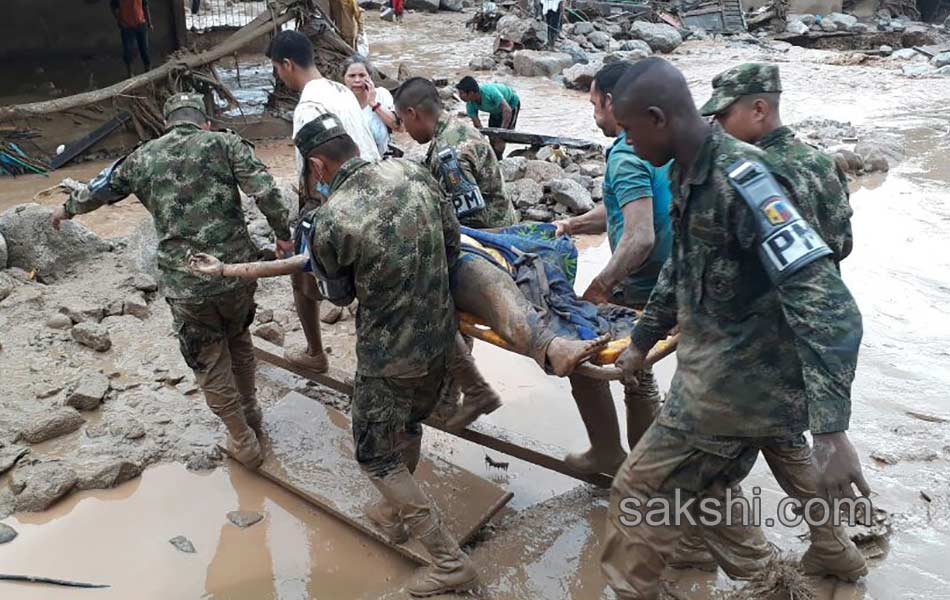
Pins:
<point x="758" y="364"/>
<point x="480" y="165"/>
<point x="390" y="225"/>
<point x="189" y="181"/>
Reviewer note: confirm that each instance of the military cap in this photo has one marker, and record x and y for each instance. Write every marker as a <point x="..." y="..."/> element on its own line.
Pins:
<point x="184" y="100"/>
<point x="318" y="132"/>
<point x="746" y="79"/>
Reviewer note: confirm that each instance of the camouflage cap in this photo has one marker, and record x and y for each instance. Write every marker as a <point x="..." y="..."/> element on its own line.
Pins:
<point x="749" y="78"/>
<point x="318" y="132"/>
<point x="184" y="100"/>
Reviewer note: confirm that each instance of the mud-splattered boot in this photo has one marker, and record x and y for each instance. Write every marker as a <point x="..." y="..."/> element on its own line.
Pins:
<point x="691" y="553"/>
<point x="596" y="406"/>
<point x="479" y="397"/>
<point x="642" y="402"/>
<point x="833" y="554"/>
<point x="451" y="570"/>
<point x="242" y="441"/>
<point x="387" y="519"/>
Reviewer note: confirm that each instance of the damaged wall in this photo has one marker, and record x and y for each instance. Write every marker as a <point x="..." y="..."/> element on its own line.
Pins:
<point x="74" y="43"/>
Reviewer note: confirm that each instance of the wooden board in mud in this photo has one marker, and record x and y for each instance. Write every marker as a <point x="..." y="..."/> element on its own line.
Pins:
<point x="536" y="139"/>
<point x="308" y="449"/>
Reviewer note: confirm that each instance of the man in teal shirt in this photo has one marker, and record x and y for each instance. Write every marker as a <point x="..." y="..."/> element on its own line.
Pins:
<point x="635" y="214"/>
<point x="497" y="99"/>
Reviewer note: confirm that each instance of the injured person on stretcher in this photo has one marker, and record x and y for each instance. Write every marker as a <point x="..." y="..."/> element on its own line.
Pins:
<point x="519" y="282"/>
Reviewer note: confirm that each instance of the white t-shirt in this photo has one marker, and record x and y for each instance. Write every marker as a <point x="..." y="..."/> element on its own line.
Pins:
<point x="322" y="96"/>
<point x="376" y="125"/>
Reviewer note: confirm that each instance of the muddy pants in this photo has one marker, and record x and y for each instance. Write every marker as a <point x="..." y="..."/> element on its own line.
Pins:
<point x="665" y="463"/>
<point x="387" y="417"/>
<point x="216" y="343"/>
<point x="484" y="290"/>
<point x="642" y="401"/>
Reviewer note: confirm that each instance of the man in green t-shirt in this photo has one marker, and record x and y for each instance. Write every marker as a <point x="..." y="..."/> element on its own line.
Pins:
<point x="497" y="99"/>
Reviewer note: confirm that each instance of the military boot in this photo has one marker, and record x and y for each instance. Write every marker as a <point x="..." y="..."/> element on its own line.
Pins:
<point x="596" y="406"/>
<point x="691" y="553"/>
<point x="479" y="397"/>
<point x="387" y="519"/>
<point x="833" y="554"/>
<point x="242" y="441"/>
<point x="451" y="570"/>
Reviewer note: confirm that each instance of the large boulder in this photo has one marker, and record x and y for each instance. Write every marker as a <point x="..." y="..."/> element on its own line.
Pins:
<point x="32" y="243"/>
<point x="918" y="35"/>
<point x="796" y="27"/>
<point x="423" y="5"/>
<point x="579" y="77"/>
<point x="583" y="28"/>
<point x="3" y="252"/>
<point x="599" y="39"/>
<point x="451" y="5"/>
<point x="572" y="195"/>
<point x="38" y="485"/>
<point x="542" y="171"/>
<point x="660" y="37"/>
<point x="513" y="167"/>
<point x="524" y="193"/>
<point x="631" y="45"/>
<point x="515" y="33"/>
<point x="881" y="147"/>
<point x="143" y="247"/>
<point x="534" y="63"/>
<point x="842" y="21"/>
<point x="940" y="60"/>
<point x="482" y="63"/>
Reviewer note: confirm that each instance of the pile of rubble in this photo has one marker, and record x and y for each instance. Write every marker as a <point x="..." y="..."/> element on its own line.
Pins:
<point x="855" y="151"/>
<point x="554" y="182"/>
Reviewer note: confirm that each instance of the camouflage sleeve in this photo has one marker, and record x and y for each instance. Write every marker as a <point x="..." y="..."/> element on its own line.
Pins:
<point x="820" y="310"/>
<point x="659" y="315"/>
<point x="847" y="234"/>
<point x="469" y="159"/>
<point x="87" y="199"/>
<point x="332" y="246"/>
<point x="255" y="181"/>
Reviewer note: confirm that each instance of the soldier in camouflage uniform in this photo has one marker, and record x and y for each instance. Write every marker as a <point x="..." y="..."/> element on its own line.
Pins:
<point x="745" y="101"/>
<point x="387" y="238"/>
<point x="189" y="181"/>
<point x="420" y="109"/>
<point x="769" y="338"/>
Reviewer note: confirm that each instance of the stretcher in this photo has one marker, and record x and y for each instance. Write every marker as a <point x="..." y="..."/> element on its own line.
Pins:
<point x="599" y="367"/>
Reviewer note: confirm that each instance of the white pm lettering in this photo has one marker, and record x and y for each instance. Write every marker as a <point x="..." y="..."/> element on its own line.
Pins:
<point x="791" y="243"/>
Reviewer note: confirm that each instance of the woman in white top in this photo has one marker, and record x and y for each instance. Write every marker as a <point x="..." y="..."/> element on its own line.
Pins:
<point x="377" y="103"/>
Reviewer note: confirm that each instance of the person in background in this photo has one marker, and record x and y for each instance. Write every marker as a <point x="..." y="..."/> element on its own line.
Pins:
<point x="134" y="21"/>
<point x="377" y="103"/>
<point x="552" y="13"/>
<point x="497" y="99"/>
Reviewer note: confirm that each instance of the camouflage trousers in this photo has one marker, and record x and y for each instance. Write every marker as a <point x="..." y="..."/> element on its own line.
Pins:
<point x="666" y="463"/>
<point x="388" y="413"/>
<point x="215" y="342"/>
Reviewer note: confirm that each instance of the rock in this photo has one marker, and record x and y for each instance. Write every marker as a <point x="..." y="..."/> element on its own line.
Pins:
<point x="585" y="182"/>
<point x="182" y="543"/>
<point x="599" y="39"/>
<point x="3" y="252"/>
<point x="264" y="315"/>
<point x="943" y="71"/>
<point x="574" y="49"/>
<point x="842" y="21"/>
<point x="92" y="335"/>
<point x="272" y="332"/>
<point x="875" y="161"/>
<point x="592" y="169"/>
<point x="513" y="167"/>
<point x="106" y="472"/>
<point x="127" y="428"/>
<point x="31" y="242"/>
<point x="904" y="54"/>
<point x="659" y="36"/>
<point x="579" y="77"/>
<point x="916" y="35"/>
<point x="143" y="247"/>
<point x="918" y="69"/>
<point x="807" y="19"/>
<point x="244" y="518"/>
<point x="10" y="455"/>
<point x="515" y="33"/>
<point x="534" y="63"/>
<point x="142" y="282"/>
<point x="538" y="213"/>
<point x="59" y="321"/>
<point x="38" y="485"/>
<point x="423" y="5"/>
<point x="570" y="193"/>
<point x="796" y="27"/>
<point x="542" y="171"/>
<point x="633" y="45"/>
<point x="524" y="193"/>
<point x="80" y="311"/>
<point x="859" y="28"/>
<point x="886" y="49"/>
<point x="136" y="306"/>
<point x="940" y="60"/>
<point x="451" y="5"/>
<point x="848" y="161"/>
<point x="89" y="391"/>
<point x="583" y="28"/>
<point x="886" y="146"/>
<point x="52" y="424"/>
<point x="7" y="533"/>
<point x="597" y="189"/>
<point x="7" y="285"/>
<point x="483" y="63"/>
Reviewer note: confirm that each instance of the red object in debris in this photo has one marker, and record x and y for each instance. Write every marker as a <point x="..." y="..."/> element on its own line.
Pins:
<point x="398" y="7"/>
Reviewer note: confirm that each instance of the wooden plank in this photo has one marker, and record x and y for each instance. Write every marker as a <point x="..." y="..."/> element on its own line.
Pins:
<point x="537" y="139"/>
<point x="308" y="450"/>
<point x="492" y="437"/>
<point x="74" y="149"/>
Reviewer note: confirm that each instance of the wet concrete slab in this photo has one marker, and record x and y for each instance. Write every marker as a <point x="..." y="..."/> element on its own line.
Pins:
<point x="308" y="449"/>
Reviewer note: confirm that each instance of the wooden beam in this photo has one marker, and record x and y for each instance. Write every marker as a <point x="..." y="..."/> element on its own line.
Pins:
<point x="74" y="149"/>
<point x="537" y="139"/>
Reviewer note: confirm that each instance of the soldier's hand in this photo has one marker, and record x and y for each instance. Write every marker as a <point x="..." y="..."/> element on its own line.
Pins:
<point x="597" y="293"/>
<point x="562" y="227"/>
<point x="205" y="264"/>
<point x="59" y="215"/>
<point x="630" y="364"/>
<point x="839" y="468"/>
<point x="285" y="248"/>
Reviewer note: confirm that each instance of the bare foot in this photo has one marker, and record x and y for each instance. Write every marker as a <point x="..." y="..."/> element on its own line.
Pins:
<point x="564" y="355"/>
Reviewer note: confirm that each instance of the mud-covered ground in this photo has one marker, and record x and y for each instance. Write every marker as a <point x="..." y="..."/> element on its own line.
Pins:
<point x="545" y="545"/>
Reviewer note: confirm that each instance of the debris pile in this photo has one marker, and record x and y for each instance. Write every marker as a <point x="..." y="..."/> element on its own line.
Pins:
<point x="553" y="182"/>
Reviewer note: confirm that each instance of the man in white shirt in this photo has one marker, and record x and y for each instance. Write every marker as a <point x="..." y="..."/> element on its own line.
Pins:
<point x="291" y="53"/>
